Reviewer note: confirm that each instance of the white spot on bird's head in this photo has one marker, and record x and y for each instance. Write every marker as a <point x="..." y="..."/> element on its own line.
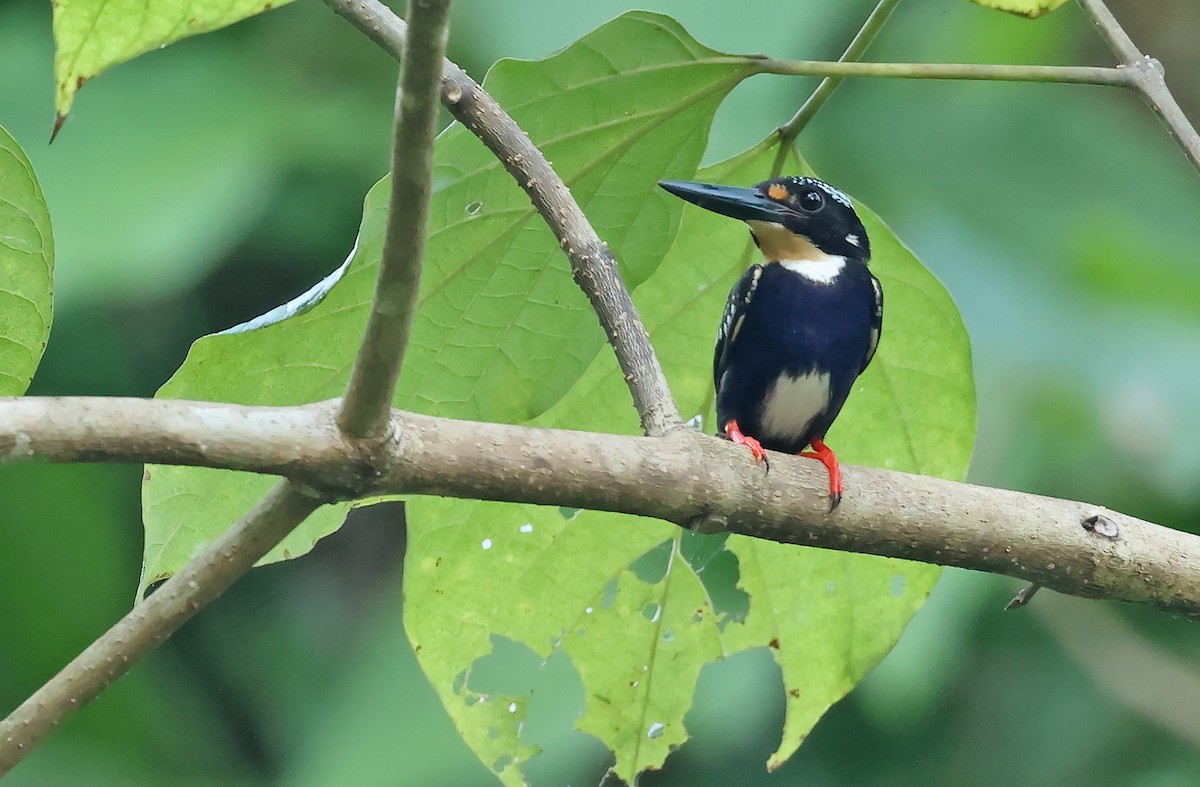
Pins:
<point x="833" y="193"/>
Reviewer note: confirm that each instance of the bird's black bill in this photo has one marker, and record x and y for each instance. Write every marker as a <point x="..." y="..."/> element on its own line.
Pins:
<point x="732" y="201"/>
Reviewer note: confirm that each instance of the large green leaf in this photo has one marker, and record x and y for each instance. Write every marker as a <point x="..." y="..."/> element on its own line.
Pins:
<point x="92" y="35"/>
<point x="26" y="269"/>
<point x="480" y="570"/>
<point x="502" y="331"/>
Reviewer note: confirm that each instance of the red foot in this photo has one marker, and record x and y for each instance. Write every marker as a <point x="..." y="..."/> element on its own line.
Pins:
<point x="825" y="455"/>
<point x="734" y="433"/>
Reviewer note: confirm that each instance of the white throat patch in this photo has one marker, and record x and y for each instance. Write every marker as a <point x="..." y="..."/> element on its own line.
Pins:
<point x="821" y="271"/>
<point x="793" y="402"/>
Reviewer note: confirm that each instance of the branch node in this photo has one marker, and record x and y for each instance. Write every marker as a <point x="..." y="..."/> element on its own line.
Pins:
<point x="707" y="524"/>
<point x="1023" y="597"/>
<point x="1101" y="525"/>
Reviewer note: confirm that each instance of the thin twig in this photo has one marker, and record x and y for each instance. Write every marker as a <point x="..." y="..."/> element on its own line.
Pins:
<point x="381" y="353"/>
<point x="684" y="477"/>
<point x="1147" y="76"/>
<point x="151" y="622"/>
<point x="862" y="40"/>
<point x="592" y="263"/>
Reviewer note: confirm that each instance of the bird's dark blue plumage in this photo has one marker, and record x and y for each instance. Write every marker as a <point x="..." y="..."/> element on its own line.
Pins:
<point x="801" y="327"/>
<point x="793" y="327"/>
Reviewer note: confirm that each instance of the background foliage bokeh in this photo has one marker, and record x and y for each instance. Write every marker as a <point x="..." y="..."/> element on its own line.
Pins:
<point x="199" y="186"/>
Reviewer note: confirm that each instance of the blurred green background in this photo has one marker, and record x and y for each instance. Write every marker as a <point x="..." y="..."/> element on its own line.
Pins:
<point x="199" y="186"/>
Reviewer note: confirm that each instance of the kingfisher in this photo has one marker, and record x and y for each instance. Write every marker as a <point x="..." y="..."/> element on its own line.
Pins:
<point x="798" y="328"/>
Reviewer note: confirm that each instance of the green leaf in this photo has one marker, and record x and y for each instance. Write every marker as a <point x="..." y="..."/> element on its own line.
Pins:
<point x="26" y="269"/>
<point x="476" y="570"/>
<point x="502" y="330"/>
<point x="92" y="35"/>
<point x="639" y="643"/>
<point x="1028" y="8"/>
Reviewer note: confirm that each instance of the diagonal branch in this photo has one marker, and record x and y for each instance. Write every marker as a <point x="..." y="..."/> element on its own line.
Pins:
<point x="1147" y="76"/>
<point x="151" y="622"/>
<point x="365" y="414"/>
<point x="1120" y="42"/>
<point x="377" y="368"/>
<point x="683" y="477"/>
<point x="862" y="40"/>
<point x="592" y="263"/>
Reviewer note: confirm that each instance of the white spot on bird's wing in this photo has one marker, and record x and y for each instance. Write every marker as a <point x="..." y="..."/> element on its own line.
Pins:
<point x="853" y="240"/>
<point x="730" y="327"/>
<point x="793" y="402"/>
<point x="873" y="344"/>
<point x="821" y="271"/>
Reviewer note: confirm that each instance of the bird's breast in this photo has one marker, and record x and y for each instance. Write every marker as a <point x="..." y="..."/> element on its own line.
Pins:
<point x="792" y="402"/>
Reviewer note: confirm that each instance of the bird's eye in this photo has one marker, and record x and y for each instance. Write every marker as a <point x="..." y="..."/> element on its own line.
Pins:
<point x="811" y="201"/>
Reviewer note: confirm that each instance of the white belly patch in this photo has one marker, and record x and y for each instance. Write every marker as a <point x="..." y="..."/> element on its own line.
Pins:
<point x="793" y="402"/>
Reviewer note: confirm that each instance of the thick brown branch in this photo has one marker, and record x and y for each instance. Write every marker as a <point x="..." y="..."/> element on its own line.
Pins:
<point x="150" y="623"/>
<point x="689" y="478"/>
<point x="373" y="381"/>
<point x="684" y="477"/>
<point x="592" y="263"/>
<point x="287" y="441"/>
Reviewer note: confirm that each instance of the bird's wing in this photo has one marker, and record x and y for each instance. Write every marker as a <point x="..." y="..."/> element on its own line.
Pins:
<point x="731" y="320"/>
<point x="876" y="324"/>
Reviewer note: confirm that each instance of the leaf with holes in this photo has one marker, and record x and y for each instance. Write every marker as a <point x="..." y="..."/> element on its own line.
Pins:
<point x="637" y="637"/>
<point x="502" y="330"/>
<point x="93" y="35"/>
<point x="26" y="269"/>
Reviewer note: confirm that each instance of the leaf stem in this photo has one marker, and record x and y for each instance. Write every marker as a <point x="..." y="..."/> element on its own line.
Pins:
<point x="373" y="381"/>
<point x="1079" y="75"/>
<point x="862" y="40"/>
